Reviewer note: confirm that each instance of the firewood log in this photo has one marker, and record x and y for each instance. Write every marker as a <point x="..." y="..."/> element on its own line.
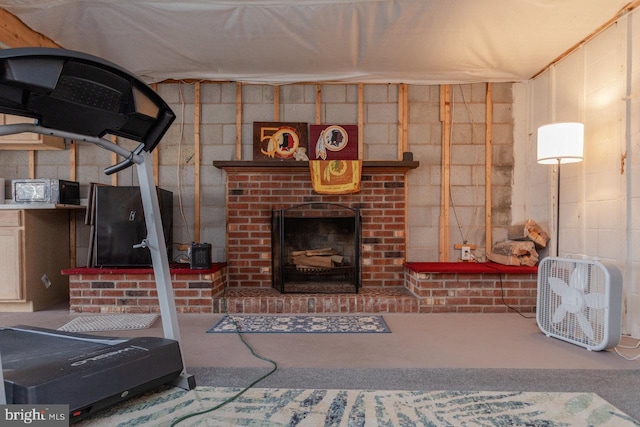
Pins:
<point x="313" y="261"/>
<point x="528" y="230"/>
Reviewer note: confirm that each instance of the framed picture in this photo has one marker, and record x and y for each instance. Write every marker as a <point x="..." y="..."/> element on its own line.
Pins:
<point x="279" y="140"/>
<point x="333" y="142"/>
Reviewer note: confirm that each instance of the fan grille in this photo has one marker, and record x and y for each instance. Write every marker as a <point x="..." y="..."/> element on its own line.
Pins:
<point x="574" y="298"/>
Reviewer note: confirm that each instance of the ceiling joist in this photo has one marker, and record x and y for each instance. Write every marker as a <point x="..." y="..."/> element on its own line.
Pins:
<point x="14" y="33"/>
<point x="629" y="7"/>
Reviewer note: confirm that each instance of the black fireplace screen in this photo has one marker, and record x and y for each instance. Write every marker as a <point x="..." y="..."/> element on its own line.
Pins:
<point x="316" y="248"/>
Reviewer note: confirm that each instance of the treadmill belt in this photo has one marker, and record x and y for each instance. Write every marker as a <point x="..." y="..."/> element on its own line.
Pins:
<point x="24" y="350"/>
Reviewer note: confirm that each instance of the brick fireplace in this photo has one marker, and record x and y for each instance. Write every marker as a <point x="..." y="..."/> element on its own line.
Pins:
<point x="388" y="284"/>
<point x="255" y="189"/>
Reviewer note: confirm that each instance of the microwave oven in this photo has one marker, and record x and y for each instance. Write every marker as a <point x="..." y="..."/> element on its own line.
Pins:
<point x="45" y="190"/>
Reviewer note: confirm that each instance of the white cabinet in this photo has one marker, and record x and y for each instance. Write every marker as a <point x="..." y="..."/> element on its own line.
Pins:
<point x="10" y="243"/>
<point x="27" y="141"/>
<point x="34" y="248"/>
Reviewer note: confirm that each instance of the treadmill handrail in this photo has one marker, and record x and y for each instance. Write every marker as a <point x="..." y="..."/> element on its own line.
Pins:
<point x="131" y="156"/>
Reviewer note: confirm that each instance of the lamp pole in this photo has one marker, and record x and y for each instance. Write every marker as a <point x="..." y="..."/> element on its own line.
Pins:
<point x="560" y="143"/>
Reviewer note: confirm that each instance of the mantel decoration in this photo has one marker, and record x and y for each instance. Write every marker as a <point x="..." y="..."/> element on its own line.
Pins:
<point x="335" y="176"/>
<point x="279" y="140"/>
<point x="328" y="142"/>
<point x="334" y="164"/>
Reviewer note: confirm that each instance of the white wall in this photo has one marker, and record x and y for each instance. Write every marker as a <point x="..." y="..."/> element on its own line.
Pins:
<point x="599" y="85"/>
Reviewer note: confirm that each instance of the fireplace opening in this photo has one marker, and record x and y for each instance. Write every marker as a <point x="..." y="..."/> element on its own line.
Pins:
<point x="316" y="248"/>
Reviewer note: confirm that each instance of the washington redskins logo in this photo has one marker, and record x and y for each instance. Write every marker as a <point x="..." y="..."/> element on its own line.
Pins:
<point x="282" y="143"/>
<point x="332" y="138"/>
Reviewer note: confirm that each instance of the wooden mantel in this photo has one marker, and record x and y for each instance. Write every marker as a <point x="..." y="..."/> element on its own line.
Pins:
<point x="368" y="166"/>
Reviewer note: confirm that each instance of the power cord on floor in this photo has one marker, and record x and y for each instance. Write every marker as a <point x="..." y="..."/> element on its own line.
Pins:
<point x="632" y="347"/>
<point x="502" y="295"/>
<point x="241" y="392"/>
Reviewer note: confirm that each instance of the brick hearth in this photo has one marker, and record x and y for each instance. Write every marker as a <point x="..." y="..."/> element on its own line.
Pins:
<point x="269" y="300"/>
<point x="428" y="288"/>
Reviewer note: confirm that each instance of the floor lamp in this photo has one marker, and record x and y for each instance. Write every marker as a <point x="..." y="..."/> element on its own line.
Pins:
<point x="560" y="143"/>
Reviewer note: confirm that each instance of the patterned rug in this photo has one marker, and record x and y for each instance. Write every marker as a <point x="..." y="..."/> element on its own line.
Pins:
<point x="314" y="407"/>
<point x="109" y="322"/>
<point x="301" y="324"/>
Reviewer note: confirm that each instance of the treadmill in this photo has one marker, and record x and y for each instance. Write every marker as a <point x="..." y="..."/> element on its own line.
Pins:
<point x="81" y="97"/>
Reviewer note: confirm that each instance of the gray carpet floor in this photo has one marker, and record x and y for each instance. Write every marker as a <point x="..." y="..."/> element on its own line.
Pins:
<point x="505" y="352"/>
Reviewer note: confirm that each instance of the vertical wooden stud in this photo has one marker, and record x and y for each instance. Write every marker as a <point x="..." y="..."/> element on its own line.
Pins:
<point x="488" y="166"/>
<point x="73" y="160"/>
<point x="445" y="118"/>
<point x="276" y="103"/>
<point x="32" y="164"/>
<point x="361" y="121"/>
<point x="400" y="115"/>
<point x="403" y="107"/>
<point x="403" y="146"/>
<point x="197" y="162"/>
<point x="405" y="120"/>
<point x="238" y="121"/>
<point x="155" y="155"/>
<point x="73" y="176"/>
<point x="318" y="104"/>
<point x="114" y="160"/>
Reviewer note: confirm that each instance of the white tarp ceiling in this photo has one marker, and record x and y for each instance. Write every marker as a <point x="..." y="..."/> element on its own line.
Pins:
<point x="286" y="41"/>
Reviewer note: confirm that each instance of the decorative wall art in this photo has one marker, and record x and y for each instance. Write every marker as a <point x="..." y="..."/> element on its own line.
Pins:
<point x="278" y="140"/>
<point x="328" y="142"/>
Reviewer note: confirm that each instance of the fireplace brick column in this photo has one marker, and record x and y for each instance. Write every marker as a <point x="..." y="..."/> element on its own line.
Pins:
<point x="255" y="188"/>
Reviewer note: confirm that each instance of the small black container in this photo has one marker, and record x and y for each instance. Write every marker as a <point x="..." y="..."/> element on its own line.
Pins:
<point x="200" y="256"/>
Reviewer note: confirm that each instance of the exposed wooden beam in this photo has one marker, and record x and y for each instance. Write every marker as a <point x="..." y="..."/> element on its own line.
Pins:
<point x="114" y="159"/>
<point x="445" y="199"/>
<point x="361" y="121"/>
<point x="625" y="10"/>
<point x="73" y="176"/>
<point x="403" y="116"/>
<point x="318" y="104"/>
<point x="32" y="164"/>
<point x="14" y="33"/>
<point x="155" y="155"/>
<point x="197" y="162"/>
<point x="488" y="164"/>
<point x="276" y="104"/>
<point x="238" y="121"/>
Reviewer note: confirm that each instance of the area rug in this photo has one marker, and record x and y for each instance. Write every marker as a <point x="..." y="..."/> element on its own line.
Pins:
<point x="301" y="324"/>
<point x="319" y="407"/>
<point x="110" y="322"/>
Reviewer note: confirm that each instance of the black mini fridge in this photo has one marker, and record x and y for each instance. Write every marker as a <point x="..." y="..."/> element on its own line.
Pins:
<point x="119" y="225"/>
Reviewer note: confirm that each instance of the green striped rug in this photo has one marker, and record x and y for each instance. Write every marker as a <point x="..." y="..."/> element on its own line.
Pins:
<point x="319" y="407"/>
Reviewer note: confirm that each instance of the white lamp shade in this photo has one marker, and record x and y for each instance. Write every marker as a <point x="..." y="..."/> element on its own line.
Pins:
<point x="560" y="143"/>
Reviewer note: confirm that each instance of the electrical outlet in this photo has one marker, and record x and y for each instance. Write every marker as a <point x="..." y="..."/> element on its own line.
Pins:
<point x="45" y="281"/>
<point x="465" y="253"/>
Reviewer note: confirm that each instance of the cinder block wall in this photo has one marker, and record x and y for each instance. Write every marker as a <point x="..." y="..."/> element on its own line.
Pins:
<point x="467" y="217"/>
<point x="339" y="104"/>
